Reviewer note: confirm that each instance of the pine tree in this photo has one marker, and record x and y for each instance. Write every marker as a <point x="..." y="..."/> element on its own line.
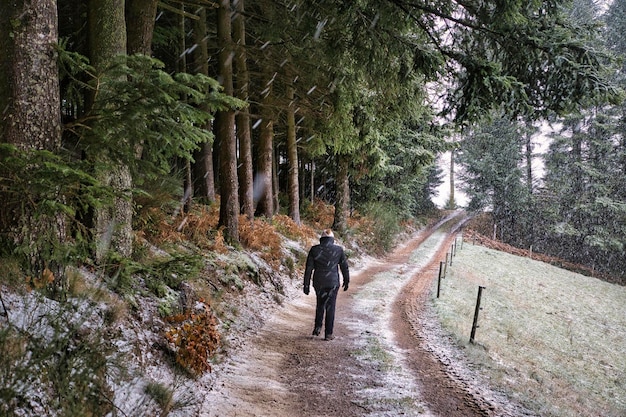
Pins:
<point x="244" y="134"/>
<point x="492" y="157"/>
<point x="107" y="37"/>
<point x="229" y="188"/>
<point x="140" y="19"/>
<point x="202" y="166"/>
<point x="30" y="122"/>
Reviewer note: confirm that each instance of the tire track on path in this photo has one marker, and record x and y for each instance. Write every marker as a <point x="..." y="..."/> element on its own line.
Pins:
<point x="370" y="369"/>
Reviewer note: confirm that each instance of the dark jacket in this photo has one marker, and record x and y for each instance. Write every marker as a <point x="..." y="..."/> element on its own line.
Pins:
<point x="323" y="262"/>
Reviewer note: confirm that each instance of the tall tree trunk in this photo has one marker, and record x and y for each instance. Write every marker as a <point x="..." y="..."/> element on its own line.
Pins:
<point x="107" y="39"/>
<point x="342" y="204"/>
<point x="529" y="162"/>
<point x="7" y="10"/>
<point x="622" y="158"/>
<point x="244" y="135"/>
<point x="577" y="157"/>
<point x="181" y="64"/>
<point x="312" y="181"/>
<point x="140" y="17"/>
<point x="30" y="116"/>
<point x="292" y="156"/>
<point x="302" y="179"/>
<point x="451" y="201"/>
<point x="275" y="184"/>
<point x="203" y="176"/>
<point x="182" y="68"/>
<point x="202" y="172"/>
<point x="263" y="185"/>
<point x="229" y="189"/>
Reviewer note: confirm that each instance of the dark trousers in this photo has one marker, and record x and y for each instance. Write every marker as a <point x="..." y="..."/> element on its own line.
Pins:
<point x="326" y="301"/>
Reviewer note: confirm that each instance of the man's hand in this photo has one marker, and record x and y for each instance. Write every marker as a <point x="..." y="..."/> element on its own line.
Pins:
<point x="306" y="290"/>
<point x="345" y="286"/>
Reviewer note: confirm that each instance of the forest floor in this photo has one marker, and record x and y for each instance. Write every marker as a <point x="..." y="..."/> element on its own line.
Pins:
<point x="389" y="356"/>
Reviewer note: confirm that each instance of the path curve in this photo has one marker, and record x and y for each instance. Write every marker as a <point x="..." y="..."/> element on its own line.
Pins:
<point x="377" y="365"/>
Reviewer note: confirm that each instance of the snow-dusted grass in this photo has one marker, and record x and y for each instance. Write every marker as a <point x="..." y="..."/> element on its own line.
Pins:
<point x="397" y="388"/>
<point x="552" y="339"/>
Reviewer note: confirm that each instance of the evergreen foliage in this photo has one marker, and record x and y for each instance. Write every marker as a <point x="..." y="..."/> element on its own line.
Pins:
<point x="362" y="73"/>
<point x="377" y="88"/>
<point x="578" y="213"/>
<point x="140" y="107"/>
<point x="45" y="184"/>
<point x="58" y="347"/>
<point x="152" y="113"/>
<point x="492" y="157"/>
<point x="585" y="183"/>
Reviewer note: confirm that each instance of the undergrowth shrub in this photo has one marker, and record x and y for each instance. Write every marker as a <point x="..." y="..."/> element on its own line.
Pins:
<point x="195" y="339"/>
<point x="319" y="214"/>
<point x="199" y="226"/>
<point x="162" y="395"/>
<point x="165" y="271"/>
<point x="55" y="361"/>
<point x="259" y="235"/>
<point x="219" y="245"/>
<point x="10" y="271"/>
<point x="119" y="271"/>
<point x="175" y="268"/>
<point x="287" y="227"/>
<point x="377" y="228"/>
<point x="40" y="282"/>
<point x="43" y="195"/>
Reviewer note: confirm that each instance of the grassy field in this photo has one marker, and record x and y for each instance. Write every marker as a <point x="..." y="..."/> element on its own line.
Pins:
<point x="551" y="339"/>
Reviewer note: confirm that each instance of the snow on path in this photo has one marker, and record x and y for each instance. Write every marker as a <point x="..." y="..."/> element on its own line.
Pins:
<point x="250" y="384"/>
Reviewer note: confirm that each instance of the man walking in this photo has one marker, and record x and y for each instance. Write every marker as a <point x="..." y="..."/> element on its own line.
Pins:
<point x="323" y="262"/>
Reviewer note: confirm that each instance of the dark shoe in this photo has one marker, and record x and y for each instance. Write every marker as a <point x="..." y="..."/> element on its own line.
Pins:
<point x="316" y="331"/>
<point x="329" y="337"/>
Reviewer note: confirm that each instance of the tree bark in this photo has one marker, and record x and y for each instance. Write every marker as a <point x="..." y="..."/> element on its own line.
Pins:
<point x="244" y="135"/>
<point x="6" y="73"/>
<point x="202" y="167"/>
<point x="342" y="204"/>
<point x="275" y="183"/>
<point x="451" y="200"/>
<point x="31" y="117"/>
<point x="182" y="68"/>
<point x="140" y="18"/>
<point x="263" y="185"/>
<point x="292" y="156"/>
<point x="107" y="39"/>
<point x="529" y="162"/>
<point x="202" y="171"/>
<point x="229" y="189"/>
<point x="312" y="181"/>
<point x="31" y="120"/>
<point x="577" y="157"/>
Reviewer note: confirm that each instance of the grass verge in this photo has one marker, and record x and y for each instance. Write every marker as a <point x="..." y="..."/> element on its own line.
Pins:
<point x="551" y="339"/>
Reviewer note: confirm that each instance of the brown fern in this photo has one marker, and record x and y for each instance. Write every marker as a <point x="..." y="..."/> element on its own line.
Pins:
<point x="195" y="339"/>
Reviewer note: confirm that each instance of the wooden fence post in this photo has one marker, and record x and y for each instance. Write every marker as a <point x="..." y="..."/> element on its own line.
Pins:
<point x="475" y="324"/>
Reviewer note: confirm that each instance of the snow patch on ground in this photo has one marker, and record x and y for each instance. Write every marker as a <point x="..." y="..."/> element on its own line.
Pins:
<point x="138" y="358"/>
<point x="376" y="299"/>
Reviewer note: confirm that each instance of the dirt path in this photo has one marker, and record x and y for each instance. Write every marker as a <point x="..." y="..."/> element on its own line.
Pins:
<point x="378" y="365"/>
